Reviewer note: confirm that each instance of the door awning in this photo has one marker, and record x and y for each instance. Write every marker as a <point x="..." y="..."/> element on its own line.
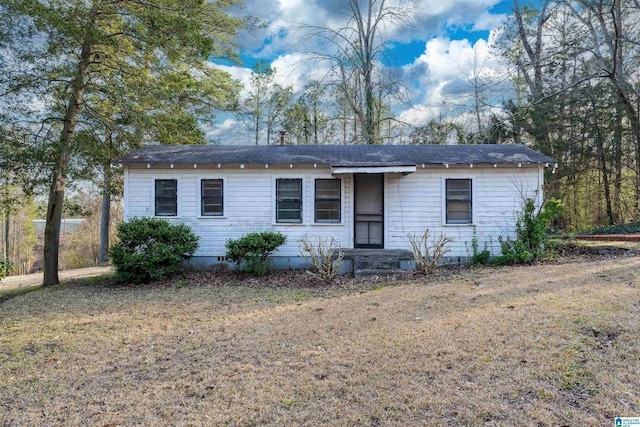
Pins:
<point x="341" y="170"/>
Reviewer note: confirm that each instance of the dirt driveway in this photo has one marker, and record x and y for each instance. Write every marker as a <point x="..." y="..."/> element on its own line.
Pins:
<point x="29" y="280"/>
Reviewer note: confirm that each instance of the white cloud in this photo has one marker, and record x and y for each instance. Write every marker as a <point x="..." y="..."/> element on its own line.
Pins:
<point x="488" y="21"/>
<point x="284" y="22"/>
<point x="294" y="69"/>
<point x="230" y="132"/>
<point x="446" y="73"/>
<point x="298" y="69"/>
<point x="419" y="114"/>
<point x="439" y="78"/>
<point x="242" y="74"/>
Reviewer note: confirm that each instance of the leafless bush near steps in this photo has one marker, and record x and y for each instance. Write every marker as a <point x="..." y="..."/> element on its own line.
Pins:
<point x="427" y="254"/>
<point x="324" y="256"/>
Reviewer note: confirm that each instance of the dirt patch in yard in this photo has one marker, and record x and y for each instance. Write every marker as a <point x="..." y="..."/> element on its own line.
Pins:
<point x="552" y="344"/>
<point x="24" y="281"/>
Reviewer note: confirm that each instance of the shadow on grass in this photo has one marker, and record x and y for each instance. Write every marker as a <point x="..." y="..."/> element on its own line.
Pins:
<point x="7" y="294"/>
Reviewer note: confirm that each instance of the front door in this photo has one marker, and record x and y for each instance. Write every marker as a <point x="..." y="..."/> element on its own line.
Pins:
<point x="369" y="213"/>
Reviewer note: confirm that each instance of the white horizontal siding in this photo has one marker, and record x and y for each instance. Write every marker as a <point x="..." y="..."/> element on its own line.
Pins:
<point x="249" y="200"/>
<point x="413" y="203"/>
<point x="416" y="202"/>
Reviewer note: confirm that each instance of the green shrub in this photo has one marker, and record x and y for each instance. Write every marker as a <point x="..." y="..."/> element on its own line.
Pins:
<point x="151" y="249"/>
<point x="513" y="252"/>
<point x="5" y="268"/>
<point x="531" y="234"/>
<point x="479" y="257"/>
<point x="631" y="227"/>
<point x="252" y="251"/>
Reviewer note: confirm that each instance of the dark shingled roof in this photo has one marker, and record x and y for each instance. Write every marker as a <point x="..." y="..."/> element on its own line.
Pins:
<point x="335" y="155"/>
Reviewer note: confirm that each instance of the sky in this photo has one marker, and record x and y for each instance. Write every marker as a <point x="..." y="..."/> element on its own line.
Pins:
<point x="446" y="43"/>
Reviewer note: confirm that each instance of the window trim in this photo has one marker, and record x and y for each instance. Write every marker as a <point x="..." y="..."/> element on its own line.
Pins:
<point x="224" y="198"/>
<point x="153" y="192"/>
<point x="275" y="198"/>
<point x="445" y="198"/>
<point x="315" y="202"/>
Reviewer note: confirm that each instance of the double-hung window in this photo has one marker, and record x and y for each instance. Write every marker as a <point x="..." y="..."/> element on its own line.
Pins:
<point x="327" y="201"/>
<point x="166" y="197"/>
<point x="211" y="197"/>
<point x="289" y="200"/>
<point x="458" y="201"/>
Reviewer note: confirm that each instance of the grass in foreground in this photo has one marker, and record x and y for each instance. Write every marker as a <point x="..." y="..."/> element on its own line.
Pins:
<point x="7" y="294"/>
<point x="542" y="345"/>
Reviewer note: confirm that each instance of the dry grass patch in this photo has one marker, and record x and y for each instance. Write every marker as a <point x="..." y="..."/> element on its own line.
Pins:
<point x="541" y="345"/>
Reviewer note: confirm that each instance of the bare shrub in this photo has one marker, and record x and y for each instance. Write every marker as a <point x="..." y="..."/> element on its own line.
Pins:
<point x="427" y="254"/>
<point x="324" y="256"/>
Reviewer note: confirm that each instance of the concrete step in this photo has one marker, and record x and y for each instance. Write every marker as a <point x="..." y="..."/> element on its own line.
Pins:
<point x="370" y="272"/>
<point x="376" y="263"/>
<point x="398" y="253"/>
<point x="379" y="261"/>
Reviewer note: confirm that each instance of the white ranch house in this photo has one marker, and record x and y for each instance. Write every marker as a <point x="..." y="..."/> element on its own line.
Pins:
<point x="367" y="197"/>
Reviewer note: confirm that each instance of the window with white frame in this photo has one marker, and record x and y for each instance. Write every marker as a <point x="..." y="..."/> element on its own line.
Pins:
<point x="211" y="197"/>
<point x="458" y="201"/>
<point x="289" y="200"/>
<point x="166" y="197"/>
<point x="327" y="201"/>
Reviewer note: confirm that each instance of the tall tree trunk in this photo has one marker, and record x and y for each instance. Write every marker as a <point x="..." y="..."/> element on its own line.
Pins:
<point x="6" y="236"/>
<point x="257" y="127"/>
<point x="602" y="158"/>
<point x="344" y="123"/>
<point x="623" y="88"/>
<point x="344" y="129"/>
<point x="105" y="216"/>
<point x="60" y="168"/>
<point x="5" y="196"/>
<point x="369" y="130"/>
<point x="539" y="127"/>
<point x="605" y="177"/>
<point x="315" y="124"/>
<point x="617" y="166"/>
<point x="16" y="245"/>
<point x="355" y="130"/>
<point x="576" y="196"/>
<point x="621" y="84"/>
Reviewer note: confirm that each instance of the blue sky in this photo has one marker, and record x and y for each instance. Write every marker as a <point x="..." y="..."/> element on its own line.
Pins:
<point x="445" y="45"/>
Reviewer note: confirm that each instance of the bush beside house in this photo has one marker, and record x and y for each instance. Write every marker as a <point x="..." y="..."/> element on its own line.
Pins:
<point x="253" y="250"/>
<point x="151" y="249"/>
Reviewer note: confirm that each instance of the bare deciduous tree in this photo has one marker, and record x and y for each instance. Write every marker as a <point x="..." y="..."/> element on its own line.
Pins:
<point x="356" y="50"/>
